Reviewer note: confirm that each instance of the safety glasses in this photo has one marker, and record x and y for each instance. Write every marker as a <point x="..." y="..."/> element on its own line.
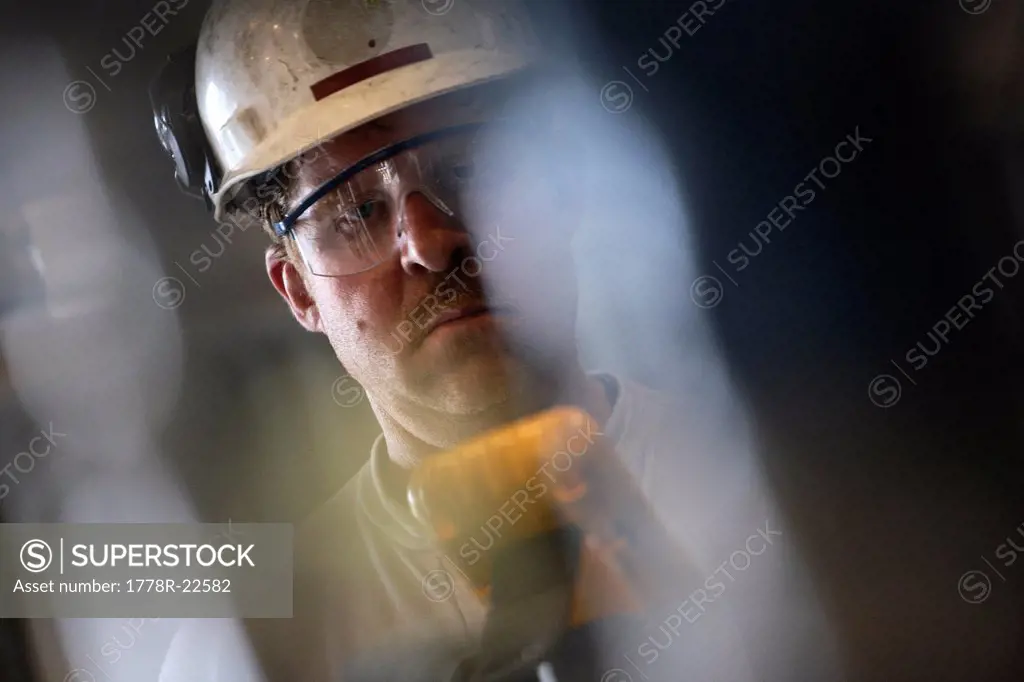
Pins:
<point x="354" y="220"/>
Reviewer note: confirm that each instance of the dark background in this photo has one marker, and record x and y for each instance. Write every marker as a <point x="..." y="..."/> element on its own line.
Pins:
<point x="893" y="504"/>
<point x="888" y="502"/>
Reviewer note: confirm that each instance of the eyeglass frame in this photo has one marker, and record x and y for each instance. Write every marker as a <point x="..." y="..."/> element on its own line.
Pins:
<point x="285" y="226"/>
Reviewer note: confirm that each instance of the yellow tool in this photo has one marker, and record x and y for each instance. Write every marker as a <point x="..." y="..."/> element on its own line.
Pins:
<point x="545" y="473"/>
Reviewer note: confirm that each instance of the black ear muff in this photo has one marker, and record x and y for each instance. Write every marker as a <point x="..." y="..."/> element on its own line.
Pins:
<point x="172" y="94"/>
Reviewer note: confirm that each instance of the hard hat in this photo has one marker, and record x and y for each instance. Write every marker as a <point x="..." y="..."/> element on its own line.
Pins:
<point x="275" y="78"/>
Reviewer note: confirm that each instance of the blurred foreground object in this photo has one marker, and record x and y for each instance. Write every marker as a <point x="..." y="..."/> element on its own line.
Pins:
<point x="580" y="567"/>
<point x="559" y="472"/>
<point x="21" y="280"/>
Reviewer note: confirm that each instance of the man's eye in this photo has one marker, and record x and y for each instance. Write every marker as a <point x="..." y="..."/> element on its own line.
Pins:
<point x="357" y="215"/>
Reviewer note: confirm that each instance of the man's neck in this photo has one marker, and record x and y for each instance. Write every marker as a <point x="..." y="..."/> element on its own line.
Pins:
<point x="410" y="442"/>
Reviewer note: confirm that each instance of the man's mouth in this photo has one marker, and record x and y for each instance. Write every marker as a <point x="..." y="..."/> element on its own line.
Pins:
<point x="453" y="316"/>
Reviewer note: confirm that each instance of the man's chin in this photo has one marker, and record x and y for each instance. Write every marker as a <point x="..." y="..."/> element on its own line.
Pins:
<point x="473" y="378"/>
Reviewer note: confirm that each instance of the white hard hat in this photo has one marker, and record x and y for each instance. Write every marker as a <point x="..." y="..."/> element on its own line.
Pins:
<point x="274" y="78"/>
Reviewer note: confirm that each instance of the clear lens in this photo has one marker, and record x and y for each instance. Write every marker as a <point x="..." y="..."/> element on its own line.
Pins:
<point x="356" y="226"/>
<point x="347" y="231"/>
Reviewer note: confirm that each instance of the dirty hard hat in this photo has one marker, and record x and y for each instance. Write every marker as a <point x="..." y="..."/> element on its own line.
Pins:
<point x="275" y="78"/>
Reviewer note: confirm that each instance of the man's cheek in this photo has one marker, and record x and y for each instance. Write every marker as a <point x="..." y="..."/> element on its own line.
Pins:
<point x="445" y="293"/>
<point x="352" y="314"/>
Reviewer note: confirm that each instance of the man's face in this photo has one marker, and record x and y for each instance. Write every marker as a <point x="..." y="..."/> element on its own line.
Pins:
<point x="471" y="309"/>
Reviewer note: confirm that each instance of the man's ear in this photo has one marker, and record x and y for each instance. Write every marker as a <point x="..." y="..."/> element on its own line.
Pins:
<point x="288" y="280"/>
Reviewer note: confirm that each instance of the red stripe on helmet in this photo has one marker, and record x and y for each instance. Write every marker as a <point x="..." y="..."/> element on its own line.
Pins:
<point x="389" y="61"/>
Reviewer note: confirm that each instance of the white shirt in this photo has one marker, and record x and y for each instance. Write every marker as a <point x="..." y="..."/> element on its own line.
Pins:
<point x="377" y="581"/>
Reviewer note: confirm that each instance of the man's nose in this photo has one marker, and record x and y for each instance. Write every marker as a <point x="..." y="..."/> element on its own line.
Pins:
<point x="431" y="237"/>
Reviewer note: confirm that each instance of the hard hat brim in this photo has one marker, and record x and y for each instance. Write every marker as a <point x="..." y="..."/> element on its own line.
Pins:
<point x="363" y="102"/>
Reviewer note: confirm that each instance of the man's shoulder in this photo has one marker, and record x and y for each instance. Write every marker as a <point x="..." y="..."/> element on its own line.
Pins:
<point x="333" y="553"/>
<point x="342" y="504"/>
<point x="333" y="526"/>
